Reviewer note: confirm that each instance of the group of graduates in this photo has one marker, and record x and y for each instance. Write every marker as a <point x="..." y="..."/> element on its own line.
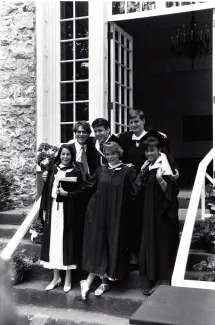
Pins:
<point x="109" y="203"/>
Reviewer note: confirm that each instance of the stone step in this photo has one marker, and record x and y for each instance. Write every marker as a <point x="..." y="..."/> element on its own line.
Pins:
<point x="182" y="212"/>
<point x="184" y="199"/>
<point x="117" y="302"/>
<point x="26" y="244"/>
<point x="34" y="315"/>
<point x="7" y="231"/>
<point x="177" y="306"/>
<point x="14" y="217"/>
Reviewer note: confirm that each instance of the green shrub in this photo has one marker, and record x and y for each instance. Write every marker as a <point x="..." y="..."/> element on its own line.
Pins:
<point x="5" y="190"/>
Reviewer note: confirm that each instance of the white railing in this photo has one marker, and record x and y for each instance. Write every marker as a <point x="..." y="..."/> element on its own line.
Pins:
<point x="184" y="246"/>
<point x="20" y="233"/>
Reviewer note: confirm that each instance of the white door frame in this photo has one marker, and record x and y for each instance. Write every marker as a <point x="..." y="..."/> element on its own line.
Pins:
<point x="160" y="10"/>
<point x="100" y="13"/>
<point x="123" y="104"/>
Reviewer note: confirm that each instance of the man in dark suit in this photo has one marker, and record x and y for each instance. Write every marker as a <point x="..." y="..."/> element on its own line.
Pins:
<point x="84" y="147"/>
<point x="101" y="128"/>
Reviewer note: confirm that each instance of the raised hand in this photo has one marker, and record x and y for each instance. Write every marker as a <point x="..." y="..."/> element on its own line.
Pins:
<point x="146" y="163"/>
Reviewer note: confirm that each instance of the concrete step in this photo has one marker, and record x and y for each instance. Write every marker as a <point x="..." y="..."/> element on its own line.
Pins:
<point x="7" y="231"/>
<point x="177" y="306"/>
<point x="118" y="301"/>
<point x="14" y="217"/>
<point x="26" y="244"/>
<point x="184" y="198"/>
<point x="34" y="315"/>
<point x="182" y="212"/>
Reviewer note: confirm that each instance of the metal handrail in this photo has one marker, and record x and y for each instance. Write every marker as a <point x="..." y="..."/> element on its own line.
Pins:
<point x="184" y="246"/>
<point x="20" y="233"/>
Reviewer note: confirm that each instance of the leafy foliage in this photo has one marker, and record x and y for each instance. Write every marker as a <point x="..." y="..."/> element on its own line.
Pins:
<point x="45" y="155"/>
<point x="5" y="189"/>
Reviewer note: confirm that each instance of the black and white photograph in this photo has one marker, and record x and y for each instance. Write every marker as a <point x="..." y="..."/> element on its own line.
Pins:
<point x="107" y="165"/>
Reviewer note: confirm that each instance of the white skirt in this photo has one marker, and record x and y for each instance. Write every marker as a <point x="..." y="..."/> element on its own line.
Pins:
<point x="56" y="240"/>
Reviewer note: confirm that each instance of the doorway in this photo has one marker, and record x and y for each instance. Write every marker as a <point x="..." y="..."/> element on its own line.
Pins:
<point x="176" y="100"/>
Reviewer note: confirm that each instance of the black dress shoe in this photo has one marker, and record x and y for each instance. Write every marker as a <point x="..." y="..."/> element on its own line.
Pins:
<point x="146" y="293"/>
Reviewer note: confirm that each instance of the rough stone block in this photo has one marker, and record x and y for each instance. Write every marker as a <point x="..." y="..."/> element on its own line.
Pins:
<point x="29" y="6"/>
<point x="8" y="9"/>
<point x="26" y="20"/>
<point x="29" y="91"/>
<point x="22" y="53"/>
<point x="5" y="91"/>
<point x="23" y="101"/>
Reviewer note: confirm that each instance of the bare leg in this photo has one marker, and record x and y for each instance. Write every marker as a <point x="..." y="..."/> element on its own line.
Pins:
<point x="56" y="275"/>
<point x="67" y="285"/>
<point x="85" y="285"/>
<point x="90" y="279"/>
<point x="68" y="278"/>
<point x="56" y="280"/>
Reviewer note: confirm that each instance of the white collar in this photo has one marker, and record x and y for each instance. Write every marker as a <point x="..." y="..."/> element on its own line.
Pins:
<point x="134" y="137"/>
<point x="79" y="146"/>
<point x="114" y="166"/>
<point x="163" y="163"/>
<point x="97" y="145"/>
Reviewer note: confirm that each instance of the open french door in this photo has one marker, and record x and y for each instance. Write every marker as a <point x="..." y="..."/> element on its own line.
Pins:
<point x="121" y="78"/>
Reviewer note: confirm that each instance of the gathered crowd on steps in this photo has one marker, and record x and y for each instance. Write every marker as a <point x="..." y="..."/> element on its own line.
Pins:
<point x="109" y="206"/>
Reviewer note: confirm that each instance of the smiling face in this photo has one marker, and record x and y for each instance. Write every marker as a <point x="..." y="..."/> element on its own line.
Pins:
<point x="81" y="135"/>
<point x="101" y="133"/>
<point x="137" y="125"/>
<point x="111" y="156"/>
<point x="152" y="153"/>
<point x="65" y="157"/>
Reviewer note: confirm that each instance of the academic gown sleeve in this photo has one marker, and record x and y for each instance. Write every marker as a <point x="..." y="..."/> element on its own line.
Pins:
<point x="170" y="203"/>
<point x="88" y="187"/>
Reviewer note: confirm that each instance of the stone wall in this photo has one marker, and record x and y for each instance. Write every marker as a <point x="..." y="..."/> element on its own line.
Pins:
<point x="18" y="100"/>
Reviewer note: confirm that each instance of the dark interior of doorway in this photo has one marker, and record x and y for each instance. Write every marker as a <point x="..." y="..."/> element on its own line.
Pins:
<point x="175" y="99"/>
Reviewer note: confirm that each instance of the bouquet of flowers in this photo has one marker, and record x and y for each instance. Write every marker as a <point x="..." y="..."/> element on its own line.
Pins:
<point x="45" y="155"/>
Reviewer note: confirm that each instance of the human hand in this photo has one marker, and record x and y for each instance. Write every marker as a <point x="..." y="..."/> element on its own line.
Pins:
<point x="44" y="176"/>
<point x="175" y="176"/>
<point x="146" y="163"/>
<point x="159" y="175"/>
<point x="60" y="191"/>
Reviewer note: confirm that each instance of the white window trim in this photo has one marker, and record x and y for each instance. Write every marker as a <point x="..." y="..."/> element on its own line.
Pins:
<point x="48" y="113"/>
<point x="159" y="11"/>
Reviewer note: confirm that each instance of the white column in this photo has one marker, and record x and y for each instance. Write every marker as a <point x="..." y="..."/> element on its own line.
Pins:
<point x="213" y="85"/>
<point x="97" y="60"/>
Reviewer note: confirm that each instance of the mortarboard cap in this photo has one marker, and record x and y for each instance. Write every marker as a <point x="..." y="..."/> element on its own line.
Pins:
<point x="161" y="137"/>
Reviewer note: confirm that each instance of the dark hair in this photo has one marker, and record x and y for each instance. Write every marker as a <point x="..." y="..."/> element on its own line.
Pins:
<point x="151" y="142"/>
<point x="134" y="113"/>
<point x="85" y="125"/>
<point x="68" y="147"/>
<point x="115" y="147"/>
<point x="101" y="122"/>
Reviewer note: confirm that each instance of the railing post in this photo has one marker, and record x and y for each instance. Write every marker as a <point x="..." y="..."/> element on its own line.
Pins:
<point x="203" y="201"/>
<point x="20" y="233"/>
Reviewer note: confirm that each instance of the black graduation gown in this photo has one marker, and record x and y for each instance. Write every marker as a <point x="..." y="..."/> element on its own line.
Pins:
<point x="73" y="217"/>
<point x="136" y="156"/>
<point x="160" y="231"/>
<point x="106" y="240"/>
